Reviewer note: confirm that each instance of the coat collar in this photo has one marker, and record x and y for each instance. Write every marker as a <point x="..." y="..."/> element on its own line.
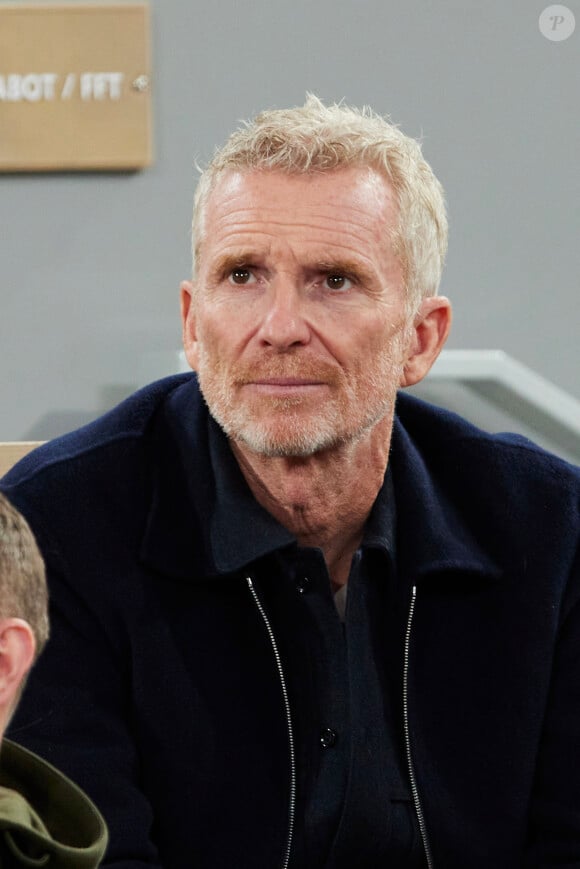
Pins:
<point x="241" y="530"/>
<point x="437" y="534"/>
<point x="204" y="521"/>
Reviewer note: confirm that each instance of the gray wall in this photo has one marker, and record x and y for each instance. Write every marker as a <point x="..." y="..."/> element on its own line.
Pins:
<point x="90" y="264"/>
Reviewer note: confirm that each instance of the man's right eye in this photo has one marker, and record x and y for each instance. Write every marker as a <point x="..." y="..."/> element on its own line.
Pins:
<point x="241" y="276"/>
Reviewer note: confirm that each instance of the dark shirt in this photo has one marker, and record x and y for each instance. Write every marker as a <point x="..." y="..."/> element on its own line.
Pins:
<point x="354" y="804"/>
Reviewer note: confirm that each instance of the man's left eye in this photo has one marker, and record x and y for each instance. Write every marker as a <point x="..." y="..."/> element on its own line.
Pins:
<point x="241" y="276"/>
<point x="338" y="282"/>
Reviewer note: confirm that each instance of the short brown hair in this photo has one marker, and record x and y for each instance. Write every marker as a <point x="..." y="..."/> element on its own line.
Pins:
<point x="23" y="590"/>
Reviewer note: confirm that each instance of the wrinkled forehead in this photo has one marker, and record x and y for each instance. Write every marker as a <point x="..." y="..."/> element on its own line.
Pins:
<point x="356" y="196"/>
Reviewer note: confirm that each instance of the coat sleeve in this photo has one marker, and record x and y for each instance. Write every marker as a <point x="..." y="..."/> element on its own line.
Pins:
<point x="76" y="712"/>
<point x="554" y="831"/>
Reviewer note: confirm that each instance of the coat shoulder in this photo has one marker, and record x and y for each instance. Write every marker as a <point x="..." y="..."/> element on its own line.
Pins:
<point x="443" y="437"/>
<point x="111" y="434"/>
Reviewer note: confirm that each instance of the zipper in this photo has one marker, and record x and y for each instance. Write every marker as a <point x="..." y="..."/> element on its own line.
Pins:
<point x="292" y="803"/>
<point x="411" y="768"/>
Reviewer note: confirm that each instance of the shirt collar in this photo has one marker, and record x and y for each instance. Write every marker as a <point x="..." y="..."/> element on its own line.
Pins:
<point x="241" y="530"/>
<point x="203" y="519"/>
<point x="381" y="526"/>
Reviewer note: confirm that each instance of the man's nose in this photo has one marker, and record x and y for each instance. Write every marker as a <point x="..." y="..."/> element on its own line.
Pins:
<point x="284" y="324"/>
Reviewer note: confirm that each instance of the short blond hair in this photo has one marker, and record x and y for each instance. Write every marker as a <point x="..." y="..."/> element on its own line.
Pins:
<point x="318" y="138"/>
<point x="23" y="591"/>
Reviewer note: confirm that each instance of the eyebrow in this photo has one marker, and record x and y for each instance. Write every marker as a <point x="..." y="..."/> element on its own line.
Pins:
<point x="228" y="261"/>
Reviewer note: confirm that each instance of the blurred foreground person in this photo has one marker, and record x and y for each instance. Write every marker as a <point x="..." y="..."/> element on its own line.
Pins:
<point x="301" y="620"/>
<point x="45" y="820"/>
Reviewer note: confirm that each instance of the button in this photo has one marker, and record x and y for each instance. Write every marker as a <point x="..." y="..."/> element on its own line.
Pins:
<point x="304" y="584"/>
<point x="328" y="737"/>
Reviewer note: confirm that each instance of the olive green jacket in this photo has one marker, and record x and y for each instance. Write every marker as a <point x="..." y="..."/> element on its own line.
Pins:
<point x="45" y="819"/>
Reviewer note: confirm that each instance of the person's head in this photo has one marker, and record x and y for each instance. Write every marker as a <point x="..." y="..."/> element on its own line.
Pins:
<point x="23" y="606"/>
<point x="315" y="138"/>
<point x="320" y="236"/>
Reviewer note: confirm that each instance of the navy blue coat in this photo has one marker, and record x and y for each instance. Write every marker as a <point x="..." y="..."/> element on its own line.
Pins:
<point x="158" y="691"/>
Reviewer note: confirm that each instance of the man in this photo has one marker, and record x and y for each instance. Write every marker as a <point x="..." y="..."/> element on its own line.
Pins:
<point x="45" y="820"/>
<point x="294" y="628"/>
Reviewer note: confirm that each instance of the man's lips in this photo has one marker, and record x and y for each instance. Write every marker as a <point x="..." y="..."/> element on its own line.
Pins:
<point x="281" y="386"/>
<point x="285" y="382"/>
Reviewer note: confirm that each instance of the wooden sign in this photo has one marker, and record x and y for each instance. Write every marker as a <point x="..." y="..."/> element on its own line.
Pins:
<point x="75" y="87"/>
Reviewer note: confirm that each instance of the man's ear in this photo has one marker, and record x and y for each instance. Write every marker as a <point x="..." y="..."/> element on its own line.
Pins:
<point x="188" y="323"/>
<point x="429" y="333"/>
<point x="17" y="648"/>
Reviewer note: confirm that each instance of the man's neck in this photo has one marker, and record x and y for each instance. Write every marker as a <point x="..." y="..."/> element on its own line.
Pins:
<point x="323" y="499"/>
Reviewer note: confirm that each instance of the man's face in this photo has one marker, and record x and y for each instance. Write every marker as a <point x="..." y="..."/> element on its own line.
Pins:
<point x="297" y="324"/>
